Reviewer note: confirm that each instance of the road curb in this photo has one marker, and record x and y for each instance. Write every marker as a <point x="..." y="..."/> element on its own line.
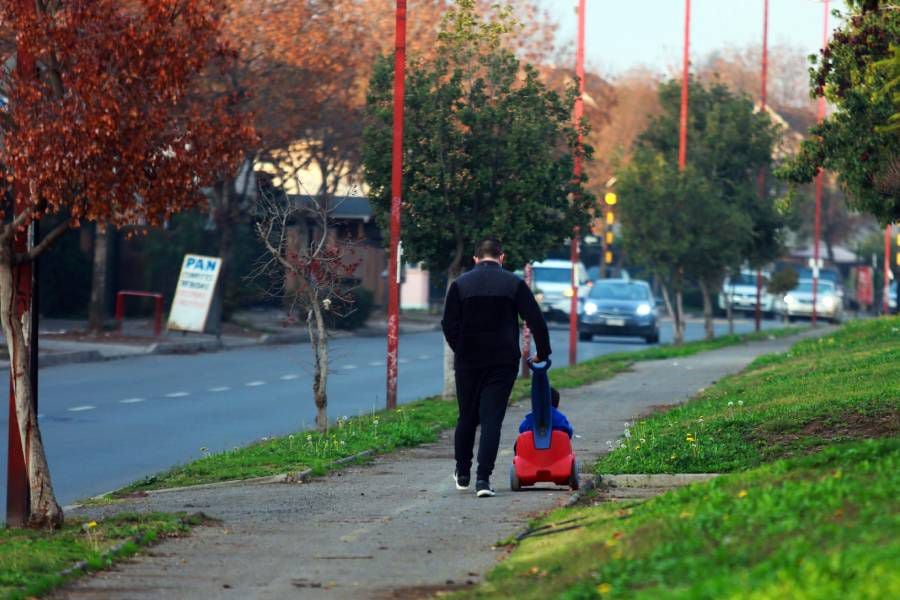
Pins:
<point x="656" y="480"/>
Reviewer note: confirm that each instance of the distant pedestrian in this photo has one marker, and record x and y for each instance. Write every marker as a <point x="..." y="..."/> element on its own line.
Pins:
<point x="481" y="325"/>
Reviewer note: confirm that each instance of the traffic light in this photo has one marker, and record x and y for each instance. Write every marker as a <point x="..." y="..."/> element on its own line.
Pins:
<point x="608" y="258"/>
<point x="610" y="217"/>
<point x="610" y="199"/>
<point x="609" y="238"/>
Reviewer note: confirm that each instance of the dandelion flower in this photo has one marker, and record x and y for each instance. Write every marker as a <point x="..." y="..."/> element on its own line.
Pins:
<point x="643" y="441"/>
<point x="742" y="494"/>
<point x="740" y="402"/>
<point x="604" y="588"/>
<point x="90" y="524"/>
<point x="730" y="403"/>
<point x="627" y="434"/>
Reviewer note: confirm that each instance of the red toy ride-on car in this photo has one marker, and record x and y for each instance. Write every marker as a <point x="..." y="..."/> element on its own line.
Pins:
<point x="543" y="455"/>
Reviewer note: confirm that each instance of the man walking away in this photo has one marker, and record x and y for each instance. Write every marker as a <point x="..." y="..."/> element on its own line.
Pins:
<point x="482" y="327"/>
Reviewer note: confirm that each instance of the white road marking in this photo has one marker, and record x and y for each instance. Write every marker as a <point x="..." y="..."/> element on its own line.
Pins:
<point x="255" y="383"/>
<point x="82" y="408"/>
<point x="289" y="377"/>
<point x="221" y="388"/>
<point x="424" y="357"/>
<point x="376" y="363"/>
<point x="349" y="367"/>
<point x="131" y="400"/>
<point x="178" y="394"/>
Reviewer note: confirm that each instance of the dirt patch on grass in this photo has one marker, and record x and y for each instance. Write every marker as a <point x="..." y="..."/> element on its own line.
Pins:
<point x="847" y="426"/>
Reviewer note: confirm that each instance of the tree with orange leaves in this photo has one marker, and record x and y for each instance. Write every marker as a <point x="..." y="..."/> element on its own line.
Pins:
<point x="105" y="124"/>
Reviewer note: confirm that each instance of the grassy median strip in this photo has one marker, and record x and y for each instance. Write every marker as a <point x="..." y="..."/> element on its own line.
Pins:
<point x="840" y="387"/>
<point x="410" y="425"/>
<point x="34" y="562"/>
<point x="820" y="526"/>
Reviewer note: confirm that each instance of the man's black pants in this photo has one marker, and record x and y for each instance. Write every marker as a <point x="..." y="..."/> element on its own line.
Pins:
<point x="483" y="395"/>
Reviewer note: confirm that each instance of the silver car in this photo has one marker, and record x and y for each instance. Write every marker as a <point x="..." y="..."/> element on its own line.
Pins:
<point x="798" y="303"/>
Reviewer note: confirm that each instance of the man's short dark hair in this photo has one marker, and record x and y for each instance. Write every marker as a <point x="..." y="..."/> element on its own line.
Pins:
<point x="489" y="248"/>
<point x="554" y="397"/>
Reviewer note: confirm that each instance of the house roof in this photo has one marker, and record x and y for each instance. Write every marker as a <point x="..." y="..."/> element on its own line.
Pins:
<point x="344" y="208"/>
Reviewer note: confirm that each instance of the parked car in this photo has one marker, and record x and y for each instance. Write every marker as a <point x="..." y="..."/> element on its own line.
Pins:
<point x="799" y="302"/>
<point x="742" y="290"/>
<point x="619" y="307"/>
<point x="553" y="286"/>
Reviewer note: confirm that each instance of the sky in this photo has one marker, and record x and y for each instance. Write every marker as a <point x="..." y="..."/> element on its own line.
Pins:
<point x="623" y="34"/>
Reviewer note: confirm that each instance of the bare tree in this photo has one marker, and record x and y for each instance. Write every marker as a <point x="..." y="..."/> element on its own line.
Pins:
<point x="309" y="268"/>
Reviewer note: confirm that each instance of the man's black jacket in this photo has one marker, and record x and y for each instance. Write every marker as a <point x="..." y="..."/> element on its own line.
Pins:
<point x="481" y="317"/>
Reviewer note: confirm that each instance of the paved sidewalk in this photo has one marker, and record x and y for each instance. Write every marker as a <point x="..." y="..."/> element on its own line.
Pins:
<point x="396" y="528"/>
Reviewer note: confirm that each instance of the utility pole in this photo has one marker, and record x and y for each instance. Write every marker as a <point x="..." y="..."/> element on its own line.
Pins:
<point x="762" y="172"/>
<point x="685" y="80"/>
<point x="576" y="233"/>
<point x="820" y="182"/>
<point x="18" y="500"/>
<point x="396" y="203"/>
<point x="886" y="293"/>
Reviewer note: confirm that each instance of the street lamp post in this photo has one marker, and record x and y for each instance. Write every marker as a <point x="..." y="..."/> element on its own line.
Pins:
<point x="820" y="183"/>
<point x="762" y="172"/>
<point x="576" y="232"/>
<point x="396" y="200"/>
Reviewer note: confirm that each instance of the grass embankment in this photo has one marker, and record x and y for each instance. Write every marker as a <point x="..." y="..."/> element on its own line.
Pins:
<point x="32" y="562"/>
<point x="821" y="526"/>
<point x="821" y="521"/>
<point x="411" y="425"/>
<point x="841" y="387"/>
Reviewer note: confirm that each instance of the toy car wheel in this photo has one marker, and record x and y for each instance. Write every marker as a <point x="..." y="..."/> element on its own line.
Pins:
<point x="514" y="483"/>
<point x="573" y="476"/>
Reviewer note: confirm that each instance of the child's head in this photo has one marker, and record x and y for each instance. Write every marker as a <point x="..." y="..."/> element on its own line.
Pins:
<point x="554" y="397"/>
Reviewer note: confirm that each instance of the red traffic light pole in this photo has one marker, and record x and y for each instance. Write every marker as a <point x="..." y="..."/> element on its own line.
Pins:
<point x="685" y="80"/>
<point x="18" y="501"/>
<point x="762" y="172"/>
<point x="576" y="232"/>
<point x="396" y="198"/>
<point x="820" y="183"/>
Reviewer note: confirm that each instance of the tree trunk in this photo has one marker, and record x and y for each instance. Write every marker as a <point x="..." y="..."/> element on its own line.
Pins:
<point x="674" y="309"/>
<point x="318" y="337"/>
<point x="708" y="325"/>
<point x="225" y="224"/>
<point x="45" y="511"/>
<point x="449" y="389"/>
<point x="97" y="310"/>
<point x="729" y="311"/>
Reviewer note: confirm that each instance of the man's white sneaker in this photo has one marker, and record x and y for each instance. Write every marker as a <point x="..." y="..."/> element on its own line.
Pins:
<point x="483" y="489"/>
<point x="461" y="480"/>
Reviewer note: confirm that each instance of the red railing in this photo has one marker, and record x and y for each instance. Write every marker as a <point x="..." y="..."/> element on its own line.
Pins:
<point x="157" y="316"/>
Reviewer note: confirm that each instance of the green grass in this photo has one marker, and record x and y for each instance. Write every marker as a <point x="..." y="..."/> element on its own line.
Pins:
<point x="819" y="526"/>
<point x="609" y="365"/>
<point x="31" y="561"/>
<point x="841" y="387"/>
<point x="410" y="425"/>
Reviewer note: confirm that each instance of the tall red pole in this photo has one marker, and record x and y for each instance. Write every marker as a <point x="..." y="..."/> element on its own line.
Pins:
<point x="885" y="295"/>
<point x="820" y="183"/>
<point x="18" y="503"/>
<point x="576" y="233"/>
<point x="396" y="197"/>
<point x="685" y="80"/>
<point x="762" y="172"/>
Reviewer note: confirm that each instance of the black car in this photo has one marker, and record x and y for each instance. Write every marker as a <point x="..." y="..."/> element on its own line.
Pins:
<point x="619" y="307"/>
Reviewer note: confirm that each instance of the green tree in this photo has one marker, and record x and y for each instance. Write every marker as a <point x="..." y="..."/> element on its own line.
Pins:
<point x="720" y="219"/>
<point x="857" y="73"/>
<point x="488" y="150"/>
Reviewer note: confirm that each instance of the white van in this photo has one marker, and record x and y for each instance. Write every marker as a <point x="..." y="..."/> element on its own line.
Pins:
<point x="553" y="286"/>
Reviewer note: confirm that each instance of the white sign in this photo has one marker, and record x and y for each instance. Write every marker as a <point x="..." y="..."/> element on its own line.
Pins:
<point x="194" y="292"/>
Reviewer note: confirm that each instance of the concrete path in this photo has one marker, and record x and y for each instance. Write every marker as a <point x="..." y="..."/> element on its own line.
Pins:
<point x="393" y="529"/>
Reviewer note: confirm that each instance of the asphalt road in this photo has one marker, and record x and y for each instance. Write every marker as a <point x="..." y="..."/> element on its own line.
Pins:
<point x="107" y="424"/>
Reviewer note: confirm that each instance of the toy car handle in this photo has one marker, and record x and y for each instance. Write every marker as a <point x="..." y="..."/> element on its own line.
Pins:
<point x="541" y="366"/>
